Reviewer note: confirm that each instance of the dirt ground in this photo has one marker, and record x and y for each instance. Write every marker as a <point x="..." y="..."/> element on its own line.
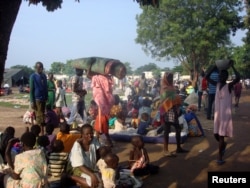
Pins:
<point x="187" y="170"/>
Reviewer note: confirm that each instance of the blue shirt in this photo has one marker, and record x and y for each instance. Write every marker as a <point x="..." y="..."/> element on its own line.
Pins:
<point x="212" y="88"/>
<point x="142" y="127"/>
<point x="38" y="87"/>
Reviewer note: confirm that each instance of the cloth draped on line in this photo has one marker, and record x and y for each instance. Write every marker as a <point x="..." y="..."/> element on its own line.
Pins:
<point x="168" y="96"/>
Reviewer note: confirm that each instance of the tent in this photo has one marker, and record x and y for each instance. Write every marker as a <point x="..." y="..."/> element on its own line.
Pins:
<point x="15" y="77"/>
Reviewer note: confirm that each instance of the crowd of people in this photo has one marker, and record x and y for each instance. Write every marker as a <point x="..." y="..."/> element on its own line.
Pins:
<point x="79" y="158"/>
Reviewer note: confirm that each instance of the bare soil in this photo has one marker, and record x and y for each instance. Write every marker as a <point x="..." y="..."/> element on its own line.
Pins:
<point x="187" y="170"/>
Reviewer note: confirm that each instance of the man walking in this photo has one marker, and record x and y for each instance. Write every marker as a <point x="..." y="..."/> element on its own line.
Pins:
<point x="78" y="104"/>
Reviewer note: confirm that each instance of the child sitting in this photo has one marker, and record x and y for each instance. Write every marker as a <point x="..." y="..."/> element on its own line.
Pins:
<point x="103" y="151"/>
<point x="42" y="143"/>
<point x="57" y="159"/>
<point x="144" y="124"/>
<point x="139" y="160"/>
<point x="135" y="119"/>
<point x="119" y="122"/>
<point x="92" y="112"/>
<point x="8" y="134"/>
<point x="49" y="133"/>
<point x="36" y="130"/>
<point x="51" y="116"/>
<point x="66" y="137"/>
<point x="116" y="108"/>
<point x="109" y="173"/>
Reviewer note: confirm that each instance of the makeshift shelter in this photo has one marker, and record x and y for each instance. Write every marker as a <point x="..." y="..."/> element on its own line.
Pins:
<point x="15" y="77"/>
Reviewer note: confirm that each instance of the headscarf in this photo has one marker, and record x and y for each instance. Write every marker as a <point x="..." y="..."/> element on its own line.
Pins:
<point x="168" y="95"/>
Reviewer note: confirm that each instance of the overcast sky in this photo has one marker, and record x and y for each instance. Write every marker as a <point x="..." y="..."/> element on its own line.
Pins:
<point x="105" y="28"/>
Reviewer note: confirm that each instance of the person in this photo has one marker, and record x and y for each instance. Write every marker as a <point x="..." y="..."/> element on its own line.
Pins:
<point x="102" y="94"/>
<point x="119" y="124"/>
<point x="92" y="112"/>
<point x="39" y="94"/>
<point x="60" y="100"/>
<point x="144" y="124"/>
<point x="103" y="151"/>
<point x="135" y="118"/>
<point x="51" y="116"/>
<point x="7" y="135"/>
<point x="109" y="173"/>
<point x="223" y="124"/>
<point x="30" y="166"/>
<point x="43" y="143"/>
<point x="170" y="111"/>
<point x="66" y="137"/>
<point x="83" y="158"/>
<point x="116" y="108"/>
<point x="36" y="130"/>
<point x="211" y="92"/>
<point x="57" y="159"/>
<point x="142" y="85"/>
<point x="200" y="88"/>
<point x="51" y="90"/>
<point x="237" y="93"/>
<point x="139" y="162"/>
<point x="78" y="104"/>
<point x="146" y="107"/>
<point x="49" y="129"/>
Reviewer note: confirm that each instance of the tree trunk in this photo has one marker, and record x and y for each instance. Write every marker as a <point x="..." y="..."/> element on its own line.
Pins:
<point x="8" y="13"/>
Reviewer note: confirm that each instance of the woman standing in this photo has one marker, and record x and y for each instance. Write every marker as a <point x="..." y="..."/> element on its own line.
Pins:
<point x="51" y="90"/>
<point x="170" y="111"/>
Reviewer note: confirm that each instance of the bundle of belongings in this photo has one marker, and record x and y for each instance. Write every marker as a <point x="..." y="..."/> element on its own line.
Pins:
<point x="100" y="65"/>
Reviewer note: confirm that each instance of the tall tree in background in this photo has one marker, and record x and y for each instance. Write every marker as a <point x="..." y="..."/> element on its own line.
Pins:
<point x="188" y="31"/>
<point x="8" y="13"/>
<point x="246" y="40"/>
<point x="57" y="67"/>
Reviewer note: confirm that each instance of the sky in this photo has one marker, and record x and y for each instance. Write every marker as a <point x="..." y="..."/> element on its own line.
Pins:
<point x="104" y="28"/>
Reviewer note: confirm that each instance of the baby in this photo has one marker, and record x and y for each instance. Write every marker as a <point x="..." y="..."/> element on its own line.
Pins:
<point x="109" y="173"/>
<point x="103" y="151"/>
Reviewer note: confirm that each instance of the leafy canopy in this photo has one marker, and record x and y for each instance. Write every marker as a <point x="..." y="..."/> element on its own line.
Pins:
<point x="188" y="30"/>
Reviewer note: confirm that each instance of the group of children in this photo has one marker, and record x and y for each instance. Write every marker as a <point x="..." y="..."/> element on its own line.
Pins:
<point x="57" y="149"/>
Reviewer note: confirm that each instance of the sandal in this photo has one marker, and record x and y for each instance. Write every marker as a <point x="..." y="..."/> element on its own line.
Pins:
<point x="220" y="162"/>
<point x="169" y="154"/>
<point x="180" y="150"/>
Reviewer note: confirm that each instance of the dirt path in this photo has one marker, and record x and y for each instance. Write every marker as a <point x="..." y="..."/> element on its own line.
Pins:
<point x="186" y="170"/>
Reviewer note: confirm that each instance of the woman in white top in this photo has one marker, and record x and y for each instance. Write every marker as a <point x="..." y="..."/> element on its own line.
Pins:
<point x="83" y="158"/>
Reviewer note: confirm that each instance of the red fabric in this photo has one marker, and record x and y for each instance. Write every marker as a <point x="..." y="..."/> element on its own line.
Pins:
<point x="204" y="84"/>
<point x="103" y="126"/>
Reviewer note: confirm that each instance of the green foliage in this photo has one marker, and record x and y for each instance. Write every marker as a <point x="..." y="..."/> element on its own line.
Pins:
<point x="50" y="5"/>
<point x="26" y="69"/>
<point x="147" y="67"/>
<point x="57" y="67"/>
<point x="189" y="31"/>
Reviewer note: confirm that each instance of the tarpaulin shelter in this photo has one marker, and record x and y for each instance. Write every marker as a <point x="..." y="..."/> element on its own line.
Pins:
<point x="15" y="77"/>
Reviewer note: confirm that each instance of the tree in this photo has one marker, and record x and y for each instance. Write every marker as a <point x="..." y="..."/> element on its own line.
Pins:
<point x="25" y="68"/>
<point x="69" y="70"/>
<point x="188" y="31"/>
<point x="147" y="67"/>
<point x="57" y="67"/>
<point x="8" y="13"/>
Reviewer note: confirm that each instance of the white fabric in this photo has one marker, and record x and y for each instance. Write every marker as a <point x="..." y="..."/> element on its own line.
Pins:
<point x="101" y="164"/>
<point x="61" y="93"/>
<point x="119" y="126"/>
<point x="79" y="158"/>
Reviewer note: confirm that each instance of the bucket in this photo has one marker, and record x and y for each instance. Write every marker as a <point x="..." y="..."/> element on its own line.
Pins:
<point x="223" y="64"/>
